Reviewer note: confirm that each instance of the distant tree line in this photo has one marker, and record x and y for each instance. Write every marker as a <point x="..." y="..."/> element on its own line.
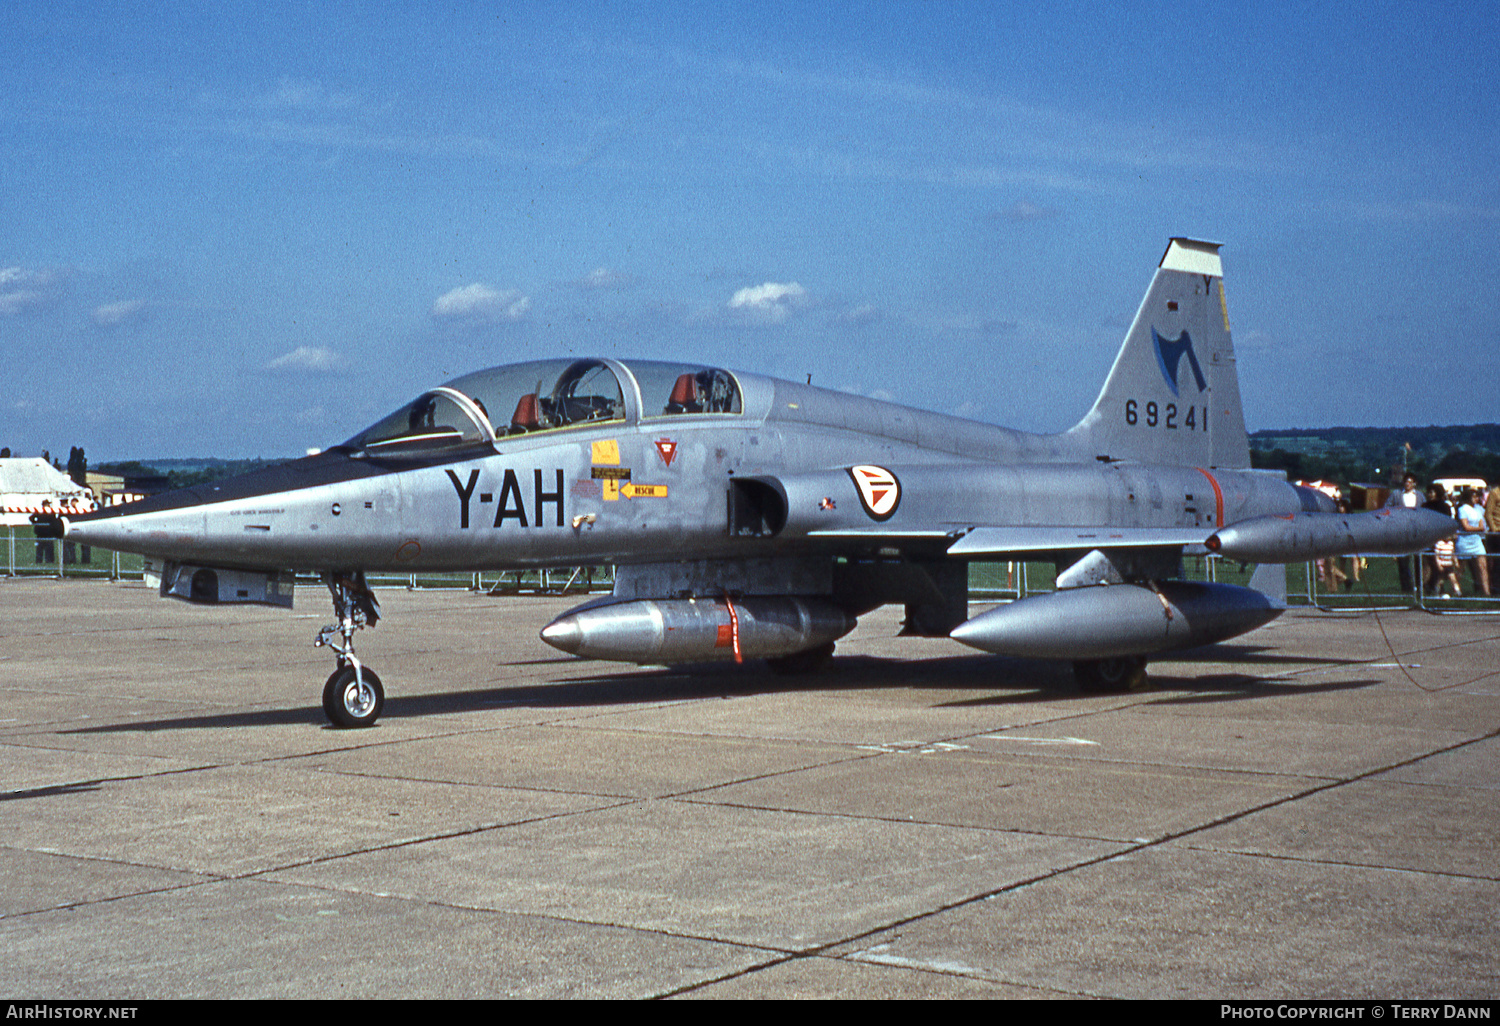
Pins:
<point x="201" y="472"/>
<point x="1375" y="455"/>
<point x="214" y="471"/>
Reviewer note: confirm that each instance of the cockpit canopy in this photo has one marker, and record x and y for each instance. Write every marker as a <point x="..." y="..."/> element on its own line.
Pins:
<point x="526" y="398"/>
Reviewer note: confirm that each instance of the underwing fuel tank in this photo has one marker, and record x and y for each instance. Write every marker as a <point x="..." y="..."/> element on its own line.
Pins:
<point x="692" y="630"/>
<point x="1104" y="621"/>
<point x="1295" y="537"/>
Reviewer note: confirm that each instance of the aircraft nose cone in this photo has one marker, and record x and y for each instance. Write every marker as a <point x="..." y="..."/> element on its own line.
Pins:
<point x="564" y="634"/>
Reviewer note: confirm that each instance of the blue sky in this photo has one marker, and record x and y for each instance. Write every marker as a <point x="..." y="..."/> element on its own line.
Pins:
<point x="227" y="230"/>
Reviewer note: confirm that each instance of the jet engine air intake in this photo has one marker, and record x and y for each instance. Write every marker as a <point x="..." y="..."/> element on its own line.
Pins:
<point x="757" y="507"/>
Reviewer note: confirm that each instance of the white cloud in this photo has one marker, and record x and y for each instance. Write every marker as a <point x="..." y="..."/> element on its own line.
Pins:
<point x="22" y="290"/>
<point x="1258" y="342"/>
<point x="866" y="314"/>
<point x="1424" y="211"/>
<point x="15" y="301"/>
<point x="772" y="302"/>
<point x="1023" y="211"/>
<point x="479" y="303"/>
<point x="306" y="358"/>
<point x="605" y="278"/>
<point x="111" y="314"/>
<point x="309" y="94"/>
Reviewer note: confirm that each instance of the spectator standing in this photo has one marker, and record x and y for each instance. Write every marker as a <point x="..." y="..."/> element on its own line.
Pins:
<point x="1410" y="498"/>
<point x="1332" y="570"/>
<point x="1470" y="545"/>
<point x="1440" y="566"/>
<point x="1492" y="523"/>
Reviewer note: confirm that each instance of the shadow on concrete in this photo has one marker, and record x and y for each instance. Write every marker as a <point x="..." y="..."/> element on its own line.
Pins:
<point x="1019" y="681"/>
<point x="80" y="787"/>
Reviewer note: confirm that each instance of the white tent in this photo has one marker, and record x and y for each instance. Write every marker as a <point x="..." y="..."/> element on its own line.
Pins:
<point x="33" y="485"/>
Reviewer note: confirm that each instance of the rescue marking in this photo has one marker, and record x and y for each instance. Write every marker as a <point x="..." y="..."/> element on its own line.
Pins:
<point x="667" y="449"/>
<point x="879" y="491"/>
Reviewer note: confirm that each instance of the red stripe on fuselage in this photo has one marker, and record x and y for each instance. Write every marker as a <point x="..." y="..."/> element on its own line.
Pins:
<point x="1218" y="497"/>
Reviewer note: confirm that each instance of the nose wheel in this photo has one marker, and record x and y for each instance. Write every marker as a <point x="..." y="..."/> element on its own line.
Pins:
<point x="353" y="695"/>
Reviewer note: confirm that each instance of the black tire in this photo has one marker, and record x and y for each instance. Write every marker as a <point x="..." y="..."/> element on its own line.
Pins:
<point x="345" y="707"/>
<point x="1117" y="673"/>
<point x="807" y="661"/>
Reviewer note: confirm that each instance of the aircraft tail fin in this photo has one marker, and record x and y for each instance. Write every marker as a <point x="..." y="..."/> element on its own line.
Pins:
<point x="1173" y="394"/>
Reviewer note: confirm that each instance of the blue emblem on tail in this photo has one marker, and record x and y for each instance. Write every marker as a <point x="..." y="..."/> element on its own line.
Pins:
<point x="1169" y="358"/>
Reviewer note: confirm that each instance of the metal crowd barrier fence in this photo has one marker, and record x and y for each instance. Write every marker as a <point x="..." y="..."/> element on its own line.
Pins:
<point x="1370" y="582"/>
<point x="1344" y="583"/>
<point x="27" y="556"/>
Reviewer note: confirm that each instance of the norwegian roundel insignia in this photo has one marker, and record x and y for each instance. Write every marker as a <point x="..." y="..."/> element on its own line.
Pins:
<point x="879" y="491"/>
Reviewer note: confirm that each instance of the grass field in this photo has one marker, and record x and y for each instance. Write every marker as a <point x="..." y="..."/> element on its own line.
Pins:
<point x="1378" y="584"/>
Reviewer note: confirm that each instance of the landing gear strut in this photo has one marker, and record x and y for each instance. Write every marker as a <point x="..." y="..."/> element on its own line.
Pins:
<point x="353" y="696"/>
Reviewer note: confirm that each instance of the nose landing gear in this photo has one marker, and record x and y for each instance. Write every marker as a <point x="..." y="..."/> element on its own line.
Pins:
<point x="353" y="695"/>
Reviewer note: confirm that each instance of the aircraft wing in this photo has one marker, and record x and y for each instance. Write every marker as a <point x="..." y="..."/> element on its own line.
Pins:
<point x="1013" y="540"/>
<point x="877" y="534"/>
<point x="988" y="541"/>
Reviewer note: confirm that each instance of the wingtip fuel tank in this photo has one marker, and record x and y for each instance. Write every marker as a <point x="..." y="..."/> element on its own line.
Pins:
<point x="1295" y="537"/>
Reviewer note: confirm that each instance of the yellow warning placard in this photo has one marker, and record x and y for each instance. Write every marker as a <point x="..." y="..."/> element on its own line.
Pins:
<point x="640" y="491"/>
<point x="607" y="452"/>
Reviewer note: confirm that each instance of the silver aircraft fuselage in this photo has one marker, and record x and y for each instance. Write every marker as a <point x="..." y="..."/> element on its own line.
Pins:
<point x="751" y="517"/>
<point x="653" y="488"/>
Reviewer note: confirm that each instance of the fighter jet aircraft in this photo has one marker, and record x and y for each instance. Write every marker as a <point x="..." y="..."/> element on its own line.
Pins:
<point x="752" y="518"/>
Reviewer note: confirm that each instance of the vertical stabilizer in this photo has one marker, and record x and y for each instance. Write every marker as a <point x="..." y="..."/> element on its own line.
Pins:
<point x="1173" y="395"/>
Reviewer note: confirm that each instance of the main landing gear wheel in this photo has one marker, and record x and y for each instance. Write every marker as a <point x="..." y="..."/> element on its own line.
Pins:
<point x="809" y="660"/>
<point x="352" y="700"/>
<point x="1117" y="673"/>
